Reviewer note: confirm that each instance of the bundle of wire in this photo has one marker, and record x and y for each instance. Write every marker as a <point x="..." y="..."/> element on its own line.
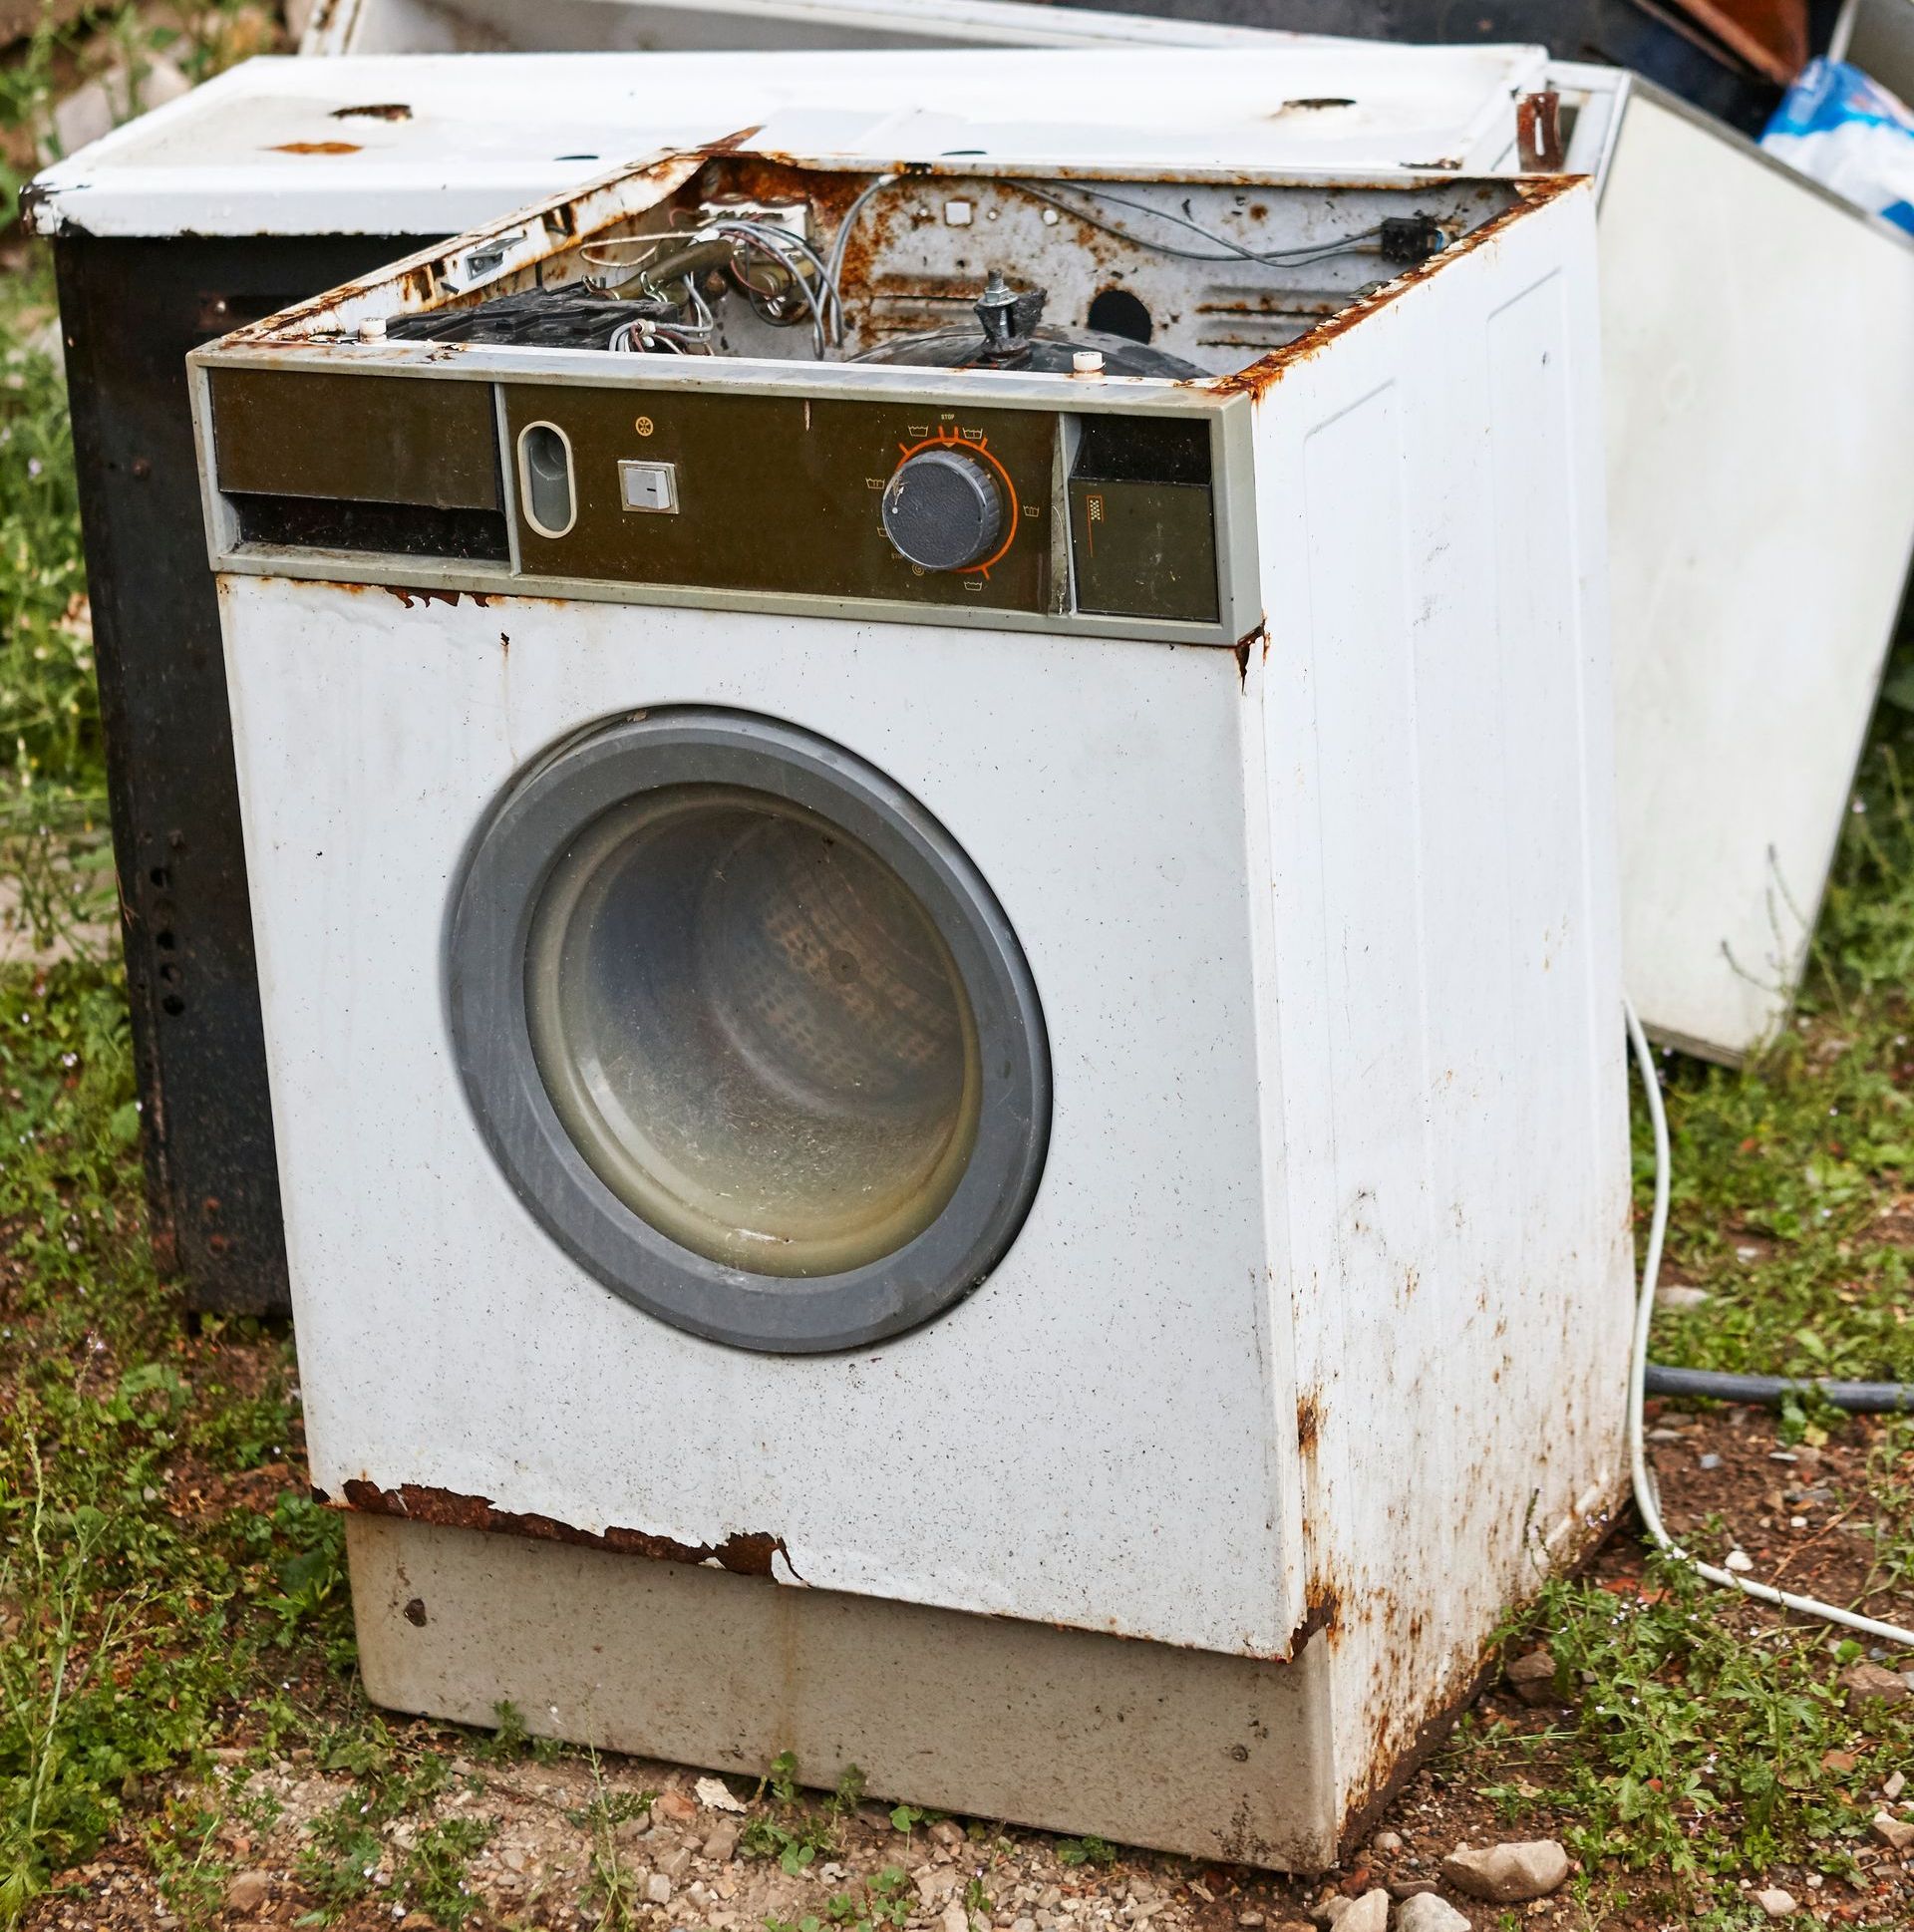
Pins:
<point x="804" y="289"/>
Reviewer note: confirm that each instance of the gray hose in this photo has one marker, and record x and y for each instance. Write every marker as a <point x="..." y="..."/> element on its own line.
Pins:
<point x="1771" y="1390"/>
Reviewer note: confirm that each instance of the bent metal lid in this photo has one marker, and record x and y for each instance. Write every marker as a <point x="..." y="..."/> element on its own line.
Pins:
<point x="436" y="144"/>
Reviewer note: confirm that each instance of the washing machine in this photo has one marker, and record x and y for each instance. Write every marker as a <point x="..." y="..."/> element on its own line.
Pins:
<point x="935" y="884"/>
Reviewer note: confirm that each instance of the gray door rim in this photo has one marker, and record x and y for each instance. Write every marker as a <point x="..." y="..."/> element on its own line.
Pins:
<point x="525" y="832"/>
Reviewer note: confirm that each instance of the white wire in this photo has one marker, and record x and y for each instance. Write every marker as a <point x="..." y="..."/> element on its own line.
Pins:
<point x="1645" y="1499"/>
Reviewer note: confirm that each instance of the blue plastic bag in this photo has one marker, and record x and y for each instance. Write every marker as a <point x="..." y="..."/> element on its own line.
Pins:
<point x="1849" y="133"/>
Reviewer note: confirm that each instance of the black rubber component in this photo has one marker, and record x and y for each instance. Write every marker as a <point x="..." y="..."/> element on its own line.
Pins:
<point x="1771" y="1390"/>
<point x="943" y="509"/>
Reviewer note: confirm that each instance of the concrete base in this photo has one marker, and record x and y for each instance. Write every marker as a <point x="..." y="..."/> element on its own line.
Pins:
<point x="1185" y="1751"/>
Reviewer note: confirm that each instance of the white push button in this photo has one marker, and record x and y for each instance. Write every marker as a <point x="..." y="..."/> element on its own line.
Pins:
<point x="649" y="485"/>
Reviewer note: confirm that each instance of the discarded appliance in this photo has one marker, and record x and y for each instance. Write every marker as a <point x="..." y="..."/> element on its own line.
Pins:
<point x="1059" y="918"/>
<point x="283" y="178"/>
<point x="1731" y="58"/>
<point x="1758" y="556"/>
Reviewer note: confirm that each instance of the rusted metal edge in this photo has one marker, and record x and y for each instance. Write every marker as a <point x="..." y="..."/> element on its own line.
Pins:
<point x="743" y="1553"/>
<point x="1360" y="1820"/>
<point x="1269" y="370"/>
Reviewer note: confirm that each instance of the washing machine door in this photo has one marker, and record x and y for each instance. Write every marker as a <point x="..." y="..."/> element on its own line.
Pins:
<point x="748" y="1032"/>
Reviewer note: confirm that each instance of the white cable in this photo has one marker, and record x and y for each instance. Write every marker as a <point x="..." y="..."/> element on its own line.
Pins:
<point x="1645" y="1496"/>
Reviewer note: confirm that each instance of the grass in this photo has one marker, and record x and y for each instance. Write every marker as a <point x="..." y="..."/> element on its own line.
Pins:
<point x="166" y="1585"/>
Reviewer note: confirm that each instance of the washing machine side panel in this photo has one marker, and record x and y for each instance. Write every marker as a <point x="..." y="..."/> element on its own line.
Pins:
<point x="1436" y="708"/>
<point x="1087" y="1439"/>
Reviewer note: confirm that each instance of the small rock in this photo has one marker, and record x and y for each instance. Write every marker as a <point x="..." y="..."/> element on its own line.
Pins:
<point x="1370" y="1913"/>
<point x="1870" y="1684"/>
<point x="1897" y="1834"/>
<point x="1775" y="1902"/>
<point x="935" y="1883"/>
<point x="658" y="1889"/>
<point x="1895" y="1785"/>
<point x="1427" y="1913"/>
<point x="1738" y="1562"/>
<point x="512" y="1858"/>
<point x="1387" y="1843"/>
<point x="1250" y="1919"/>
<point x="675" y="1863"/>
<point x="1507" y="1874"/>
<point x="1533" y="1677"/>
<point x="947" y="1832"/>
<point x="721" y="1841"/>
<point x="1709" y="1461"/>
<point x="1051" y="1897"/>
<point x="956" y="1917"/>
<point x="1679" y="1295"/>
<point x="247" y="1892"/>
<point x="673" y="1807"/>
<point x="1022" y="1925"/>
<point x="628" y="1833"/>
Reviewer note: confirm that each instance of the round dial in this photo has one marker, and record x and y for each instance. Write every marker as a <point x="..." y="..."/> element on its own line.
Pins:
<point x="943" y="509"/>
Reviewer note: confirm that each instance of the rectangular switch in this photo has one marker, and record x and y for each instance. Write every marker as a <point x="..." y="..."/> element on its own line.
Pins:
<point x="649" y="487"/>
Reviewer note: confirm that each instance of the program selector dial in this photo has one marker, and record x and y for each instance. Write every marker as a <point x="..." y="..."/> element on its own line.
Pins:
<point x="943" y="509"/>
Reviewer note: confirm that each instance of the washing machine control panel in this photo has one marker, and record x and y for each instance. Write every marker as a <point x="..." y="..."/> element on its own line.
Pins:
<point x="733" y="495"/>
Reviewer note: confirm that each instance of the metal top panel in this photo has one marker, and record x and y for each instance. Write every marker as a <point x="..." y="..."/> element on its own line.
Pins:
<point x="430" y="144"/>
<point x="685" y="26"/>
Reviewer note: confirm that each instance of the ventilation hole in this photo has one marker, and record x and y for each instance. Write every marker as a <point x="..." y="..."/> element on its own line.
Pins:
<point x="166" y="939"/>
<point x="161" y="877"/>
<point x="173" y="1004"/>
<point x="1116" y="312"/>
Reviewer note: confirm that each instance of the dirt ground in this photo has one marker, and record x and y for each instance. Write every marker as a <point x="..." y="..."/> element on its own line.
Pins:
<point x="558" y="1843"/>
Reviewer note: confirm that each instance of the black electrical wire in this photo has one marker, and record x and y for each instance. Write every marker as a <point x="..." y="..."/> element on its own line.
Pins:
<point x="1771" y="1390"/>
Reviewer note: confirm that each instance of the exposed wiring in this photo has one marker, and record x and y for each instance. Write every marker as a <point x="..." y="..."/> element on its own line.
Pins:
<point x="840" y="241"/>
<point x="1646" y="1498"/>
<point x="1233" y="250"/>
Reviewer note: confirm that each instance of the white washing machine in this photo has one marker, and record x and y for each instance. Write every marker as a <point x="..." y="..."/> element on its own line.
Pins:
<point x="942" y="991"/>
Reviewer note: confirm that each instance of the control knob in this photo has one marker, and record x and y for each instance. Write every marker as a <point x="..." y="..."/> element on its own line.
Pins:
<point x="943" y="509"/>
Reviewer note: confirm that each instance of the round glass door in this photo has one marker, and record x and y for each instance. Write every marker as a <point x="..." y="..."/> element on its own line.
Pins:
<point x="748" y="1032"/>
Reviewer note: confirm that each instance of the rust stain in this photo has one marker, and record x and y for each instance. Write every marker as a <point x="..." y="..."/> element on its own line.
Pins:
<point x="374" y="111"/>
<point x="416" y="597"/>
<point x="742" y="1552"/>
<point x="1309" y="1423"/>
<point x="1322" y="1610"/>
<point x="1245" y="644"/>
<point x="1269" y="371"/>
<point x="1538" y="132"/>
<point x="315" y="148"/>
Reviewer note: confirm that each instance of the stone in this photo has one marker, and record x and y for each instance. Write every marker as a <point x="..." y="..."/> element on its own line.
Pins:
<point x="1250" y="1919"/>
<point x="1709" y="1461"/>
<point x="1387" y="1843"/>
<point x="1897" y="1834"/>
<point x="935" y="1883"/>
<point x="1775" y="1902"/>
<point x="246" y="1891"/>
<point x="947" y="1832"/>
<point x="675" y="1863"/>
<point x="673" y="1807"/>
<point x="1370" y="1913"/>
<point x="1532" y="1677"/>
<point x="1895" y="1785"/>
<point x="658" y="1889"/>
<point x="1870" y="1684"/>
<point x="1677" y="1294"/>
<point x="1051" y="1897"/>
<point x="1507" y="1874"/>
<point x="1022" y="1925"/>
<point x="721" y="1841"/>
<point x="1738" y="1562"/>
<point x="956" y="1918"/>
<point x="1427" y="1913"/>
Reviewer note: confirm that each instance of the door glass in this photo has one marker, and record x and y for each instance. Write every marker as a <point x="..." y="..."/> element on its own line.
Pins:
<point x="752" y="1030"/>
